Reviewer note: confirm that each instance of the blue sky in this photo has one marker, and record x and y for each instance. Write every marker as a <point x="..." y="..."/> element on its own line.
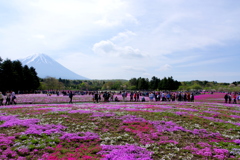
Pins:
<point x="123" y="39"/>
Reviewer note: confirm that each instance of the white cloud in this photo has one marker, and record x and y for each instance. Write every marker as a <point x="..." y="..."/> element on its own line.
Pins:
<point x="147" y="75"/>
<point x="205" y="62"/>
<point x="134" y="69"/>
<point x="108" y="48"/>
<point x="112" y="21"/>
<point x="166" y="67"/>
<point x="39" y="36"/>
<point x="123" y="36"/>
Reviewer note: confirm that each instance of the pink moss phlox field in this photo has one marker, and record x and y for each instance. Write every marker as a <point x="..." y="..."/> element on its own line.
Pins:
<point x="207" y="151"/>
<point x="216" y="97"/>
<point x="6" y="140"/>
<point x="44" y="129"/>
<point x="181" y="113"/>
<point x="79" y="136"/>
<point x="120" y="130"/>
<point x="237" y="141"/>
<point x="102" y="114"/>
<point x="124" y="152"/>
<point x="235" y="116"/>
<point x="5" y="146"/>
<point x="13" y="121"/>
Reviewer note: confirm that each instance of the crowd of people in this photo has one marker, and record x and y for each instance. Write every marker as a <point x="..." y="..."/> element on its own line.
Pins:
<point x="10" y="98"/>
<point x="107" y="96"/>
<point x="142" y="96"/>
<point x="137" y="96"/>
<point x="232" y="98"/>
<point x="124" y="96"/>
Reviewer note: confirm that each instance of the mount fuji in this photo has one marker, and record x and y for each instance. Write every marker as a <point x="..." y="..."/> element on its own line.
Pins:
<point x="47" y="67"/>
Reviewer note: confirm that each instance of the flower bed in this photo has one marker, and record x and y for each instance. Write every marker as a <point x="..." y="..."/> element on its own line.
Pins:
<point x="141" y="131"/>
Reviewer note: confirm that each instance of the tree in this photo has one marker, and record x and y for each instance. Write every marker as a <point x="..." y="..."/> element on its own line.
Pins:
<point x="142" y="83"/>
<point x="133" y="82"/>
<point x="196" y="87"/>
<point x="7" y="76"/>
<point x="83" y="86"/>
<point x="163" y="84"/>
<point x="31" y="81"/>
<point x="154" y="83"/>
<point x="16" y="77"/>
<point x="52" y="83"/>
<point x="18" y="74"/>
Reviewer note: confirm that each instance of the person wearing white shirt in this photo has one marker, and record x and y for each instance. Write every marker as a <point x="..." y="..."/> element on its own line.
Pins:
<point x="13" y="96"/>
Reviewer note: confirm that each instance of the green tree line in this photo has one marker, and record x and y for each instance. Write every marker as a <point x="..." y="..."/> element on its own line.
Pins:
<point x="166" y="83"/>
<point x="90" y="85"/>
<point x="15" y="77"/>
<point x="132" y="84"/>
<point x="210" y="86"/>
<point x="154" y="84"/>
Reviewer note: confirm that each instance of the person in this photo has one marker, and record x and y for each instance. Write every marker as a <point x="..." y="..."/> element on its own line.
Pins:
<point x="135" y="96"/>
<point x="13" y="96"/>
<point x="151" y="95"/>
<point x="163" y="96"/>
<point x="143" y="99"/>
<point x="185" y="97"/>
<point x="96" y="97"/>
<point x="235" y="98"/>
<point x="131" y="96"/>
<point x="93" y="98"/>
<point x="179" y="96"/>
<point x="158" y="96"/>
<point x="99" y="97"/>
<point x="8" y="95"/>
<point x="105" y="96"/>
<point x="168" y="96"/>
<point x="230" y="98"/>
<point x="138" y="95"/>
<point x="70" y="96"/>
<point x="238" y="98"/>
<point x="188" y="97"/>
<point x="226" y="98"/>
<point x="1" y="99"/>
<point x="116" y="99"/>
<point x="192" y="97"/>
<point x="173" y="97"/>
<point x="111" y="97"/>
<point x="124" y="96"/>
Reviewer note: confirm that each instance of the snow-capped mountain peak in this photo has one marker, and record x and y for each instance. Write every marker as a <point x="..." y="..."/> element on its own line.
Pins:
<point x="46" y="66"/>
<point x="37" y="58"/>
